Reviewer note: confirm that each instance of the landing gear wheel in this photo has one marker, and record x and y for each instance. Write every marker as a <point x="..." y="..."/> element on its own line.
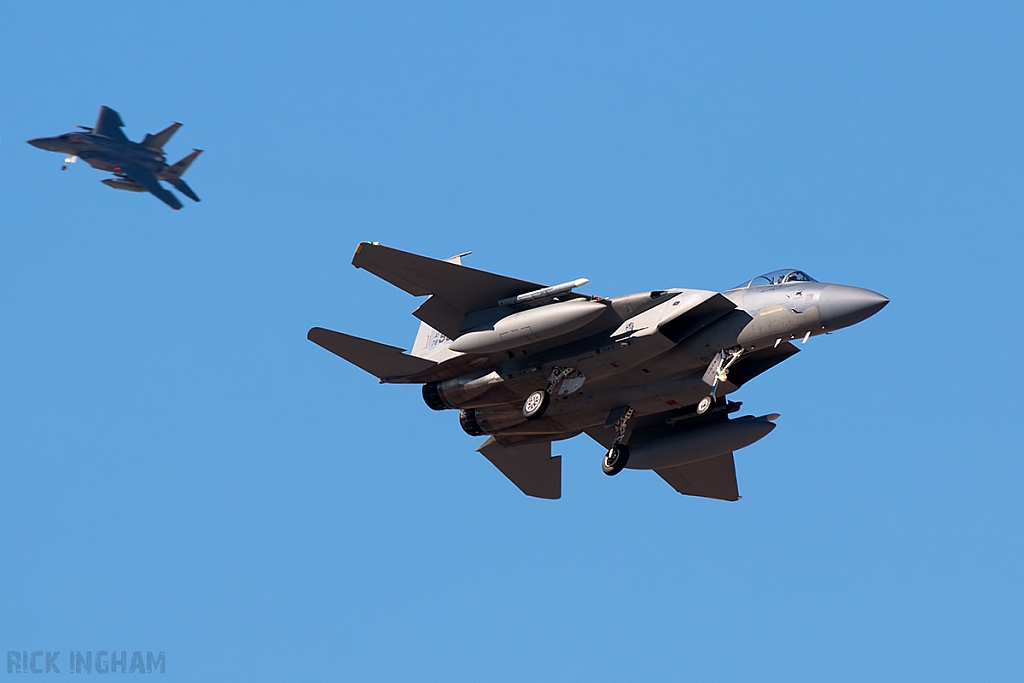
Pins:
<point x="615" y="459"/>
<point x="536" y="403"/>
<point x="705" y="404"/>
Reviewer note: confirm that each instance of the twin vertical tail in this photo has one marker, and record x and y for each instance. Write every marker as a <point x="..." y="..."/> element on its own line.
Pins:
<point x="158" y="141"/>
<point x="427" y="338"/>
<point x="173" y="173"/>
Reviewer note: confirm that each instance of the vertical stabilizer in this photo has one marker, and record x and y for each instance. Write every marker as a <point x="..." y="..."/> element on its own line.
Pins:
<point x="429" y="342"/>
<point x="160" y="139"/>
<point x="178" y="168"/>
<point x="109" y="124"/>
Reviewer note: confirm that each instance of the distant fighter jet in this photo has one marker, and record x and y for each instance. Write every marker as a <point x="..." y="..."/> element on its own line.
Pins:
<point x="137" y="166"/>
<point x="645" y="375"/>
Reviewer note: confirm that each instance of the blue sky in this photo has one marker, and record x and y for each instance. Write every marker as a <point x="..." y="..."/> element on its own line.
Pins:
<point x="184" y="472"/>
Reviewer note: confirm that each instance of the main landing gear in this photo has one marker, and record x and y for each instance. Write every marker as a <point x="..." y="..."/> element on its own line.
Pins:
<point x="538" y="402"/>
<point x="618" y="455"/>
<point x="717" y="372"/>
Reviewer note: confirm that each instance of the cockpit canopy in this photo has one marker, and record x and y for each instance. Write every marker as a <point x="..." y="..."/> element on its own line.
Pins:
<point x="777" y="277"/>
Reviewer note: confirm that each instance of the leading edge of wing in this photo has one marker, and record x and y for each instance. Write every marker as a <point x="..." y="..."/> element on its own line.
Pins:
<point x="462" y="288"/>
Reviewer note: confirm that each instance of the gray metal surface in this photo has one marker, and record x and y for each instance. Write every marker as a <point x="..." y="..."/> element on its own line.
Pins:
<point x="526" y="327"/>
<point x="711" y="478"/>
<point x="529" y="466"/>
<point x="380" y="360"/>
<point x="700" y="443"/>
<point x="454" y="289"/>
<point x="649" y="370"/>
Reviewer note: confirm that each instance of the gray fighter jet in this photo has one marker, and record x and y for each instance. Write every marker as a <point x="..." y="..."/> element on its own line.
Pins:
<point x="137" y="166"/>
<point x="645" y="375"/>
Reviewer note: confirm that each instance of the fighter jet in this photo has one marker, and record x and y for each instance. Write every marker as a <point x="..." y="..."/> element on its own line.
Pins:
<point x="645" y="375"/>
<point x="137" y="166"/>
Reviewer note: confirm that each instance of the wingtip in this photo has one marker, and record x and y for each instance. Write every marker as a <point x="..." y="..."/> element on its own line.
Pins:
<point x="359" y="249"/>
<point x="317" y="334"/>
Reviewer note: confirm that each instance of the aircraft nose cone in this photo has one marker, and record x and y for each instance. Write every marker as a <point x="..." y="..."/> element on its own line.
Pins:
<point x="49" y="144"/>
<point x="842" y="306"/>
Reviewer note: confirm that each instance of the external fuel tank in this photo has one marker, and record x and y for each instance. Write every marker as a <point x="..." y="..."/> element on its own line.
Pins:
<point x="533" y="325"/>
<point x="700" y="443"/>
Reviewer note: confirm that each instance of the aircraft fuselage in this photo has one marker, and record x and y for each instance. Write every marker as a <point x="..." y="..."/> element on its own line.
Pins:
<point x="103" y="153"/>
<point x="650" y="372"/>
<point x="645" y="375"/>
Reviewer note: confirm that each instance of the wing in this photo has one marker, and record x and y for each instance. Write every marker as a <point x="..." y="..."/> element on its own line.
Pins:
<point x="711" y="478"/>
<point x="152" y="185"/>
<point x="528" y="466"/>
<point x="380" y="360"/>
<point x="455" y="289"/>
<point x="109" y="124"/>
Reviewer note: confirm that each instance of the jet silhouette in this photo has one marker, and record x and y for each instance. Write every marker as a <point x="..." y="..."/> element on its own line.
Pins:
<point x="137" y="166"/>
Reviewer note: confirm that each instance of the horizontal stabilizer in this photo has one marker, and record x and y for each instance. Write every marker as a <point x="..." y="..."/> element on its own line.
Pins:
<point x="160" y="139"/>
<point x="529" y="466"/>
<point x="456" y="289"/>
<point x="711" y="478"/>
<point x="388" y="363"/>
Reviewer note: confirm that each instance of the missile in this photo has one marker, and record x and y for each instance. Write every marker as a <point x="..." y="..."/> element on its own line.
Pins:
<point x="544" y="293"/>
<point x="700" y="443"/>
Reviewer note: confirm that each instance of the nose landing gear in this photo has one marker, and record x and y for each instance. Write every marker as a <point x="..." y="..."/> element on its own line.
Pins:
<point x="717" y="372"/>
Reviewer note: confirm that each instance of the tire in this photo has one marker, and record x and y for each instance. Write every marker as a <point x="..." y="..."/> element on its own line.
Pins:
<point x="705" y="404"/>
<point x="615" y="459"/>
<point x="535" y="404"/>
